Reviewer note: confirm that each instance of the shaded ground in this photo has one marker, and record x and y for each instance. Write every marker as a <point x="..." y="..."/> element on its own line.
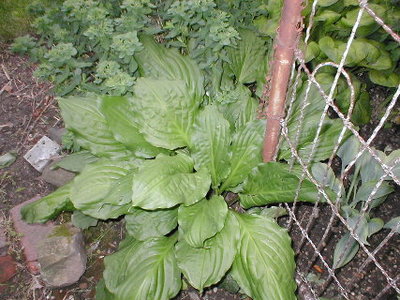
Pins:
<point x="28" y="110"/>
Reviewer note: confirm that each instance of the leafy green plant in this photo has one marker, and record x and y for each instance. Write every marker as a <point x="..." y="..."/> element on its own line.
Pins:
<point x="353" y="200"/>
<point x="166" y="161"/>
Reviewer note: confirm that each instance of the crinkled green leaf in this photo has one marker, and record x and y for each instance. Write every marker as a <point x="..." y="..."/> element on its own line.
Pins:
<point x="168" y="181"/>
<point x="48" y="207"/>
<point x="274" y="182"/>
<point x="202" y="220"/>
<point x="245" y="152"/>
<point x="83" y="117"/>
<point x="264" y="265"/>
<point x="155" y="61"/>
<point x="206" y="266"/>
<point x="143" y="270"/>
<point x="76" y="162"/>
<point x="248" y="58"/>
<point x="102" y="189"/>
<point x="388" y="79"/>
<point x="143" y="224"/>
<point x="165" y="111"/>
<point x="121" y="120"/>
<point x="210" y="144"/>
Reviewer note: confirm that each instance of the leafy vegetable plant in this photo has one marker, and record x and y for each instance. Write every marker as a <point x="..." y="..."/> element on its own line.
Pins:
<point x="363" y="194"/>
<point x="167" y="158"/>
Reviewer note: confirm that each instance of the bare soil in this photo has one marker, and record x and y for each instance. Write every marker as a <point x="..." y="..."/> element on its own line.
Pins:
<point x="27" y="112"/>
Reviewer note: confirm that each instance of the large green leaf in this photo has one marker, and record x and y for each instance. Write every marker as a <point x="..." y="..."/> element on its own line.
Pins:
<point x="143" y="224"/>
<point x="237" y="106"/>
<point x="102" y="189"/>
<point x="155" y="61"/>
<point x="248" y="59"/>
<point x="274" y="182"/>
<point x="165" y="111"/>
<point x="83" y="117"/>
<point x="330" y="131"/>
<point x="202" y="220"/>
<point x="264" y="266"/>
<point x="48" y="207"/>
<point x="168" y="181"/>
<point x="210" y="144"/>
<point x="143" y="270"/>
<point x="121" y="120"/>
<point x="206" y="266"/>
<point x="77" y="161"/>
<point x="245" y="152"/>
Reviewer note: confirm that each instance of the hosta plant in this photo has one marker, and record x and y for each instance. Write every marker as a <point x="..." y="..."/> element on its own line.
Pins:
<point x="169" y="159"/>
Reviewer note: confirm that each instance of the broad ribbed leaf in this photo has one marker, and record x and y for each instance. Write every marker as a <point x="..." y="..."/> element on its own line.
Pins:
<point x="245" y="152"/>
<point x="155" y="61"/>
<point x="206" y="266"/>
<point x="76" y="162"/>
<point x="83" y="117"/>
<point x="264" y="265"/>
<point x="48" y="207"/>
<point x="143" y="224"/>
<point x="248" y="60"/>
<point x="143" y="270"/>
<point x="121" y="120"/>
<point x="102" y="189"/>
<point x="165" y="111"/>
<point x="210" y="144"/>
<point x="274" y="182"/>
<point x="168" y="181"/>
<point x="330" y="129"/>
<point x="202" y="220"/>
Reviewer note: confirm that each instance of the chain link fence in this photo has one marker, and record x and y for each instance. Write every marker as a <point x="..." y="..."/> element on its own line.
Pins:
<point x="317" y="228"/>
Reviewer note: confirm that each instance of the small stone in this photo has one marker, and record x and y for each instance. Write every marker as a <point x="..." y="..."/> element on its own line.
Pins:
<point x="56" y="134"/>
<point x="7" y="268"/>
<point x="83" y="285"/>
<point x="31" y="235"/>
<point x="57" y="177"/>
<point x="62" y="256"/>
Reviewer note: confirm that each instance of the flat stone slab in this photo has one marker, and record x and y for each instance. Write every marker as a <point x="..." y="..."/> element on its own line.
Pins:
<point x="32" y="235"/>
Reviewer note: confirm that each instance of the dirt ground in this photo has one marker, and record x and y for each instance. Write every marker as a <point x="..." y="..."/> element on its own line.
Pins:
<point x="28" y="110"/>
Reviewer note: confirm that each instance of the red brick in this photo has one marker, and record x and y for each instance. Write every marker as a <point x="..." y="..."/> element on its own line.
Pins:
<point x="7" y="268"/>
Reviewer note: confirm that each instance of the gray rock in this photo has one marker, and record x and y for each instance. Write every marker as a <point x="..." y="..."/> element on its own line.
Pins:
<point x="56" y="134"/>
<point x="57" y="177"/>
<point x="62" y="256"/>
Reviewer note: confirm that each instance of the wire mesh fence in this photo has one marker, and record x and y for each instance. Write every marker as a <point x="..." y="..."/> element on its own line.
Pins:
<point x="318" y="229"/>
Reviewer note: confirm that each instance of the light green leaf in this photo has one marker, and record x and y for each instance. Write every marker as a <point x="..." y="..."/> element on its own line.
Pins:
<point x="388" y="79"/>
<point x="165" y="112"/>
<point x="393" y="224"/>
<point x="82" y="221"/>
<point x="143" y="270"/>
<point x="206" y="266"/>
<point x="155" y="61"/>
<point x="101" y="291"/>
<point x="274" y="182"/>
<point x="210" y="144"/>
<point x="202" y="220"/>
<point x="143" y="224"/>
<point x="76" y="162"/>
<point x="365" y="190"/>
<point x="374" y="226"/>
<point x="168" y="181"/>
<point x="327" y="178"/>
<point x="264" y="266"/>
<point x="248" y="59"/>
<point x="245" y="152"/>
<point x="48" y="207"/>
<point x="345" y="250"/>
<point x="83" y="117"/>
<point x="91" y="189"/>
<point x="121" y="120"/>
<point x="7" y="159"/>
<point x="348" y="151"/>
